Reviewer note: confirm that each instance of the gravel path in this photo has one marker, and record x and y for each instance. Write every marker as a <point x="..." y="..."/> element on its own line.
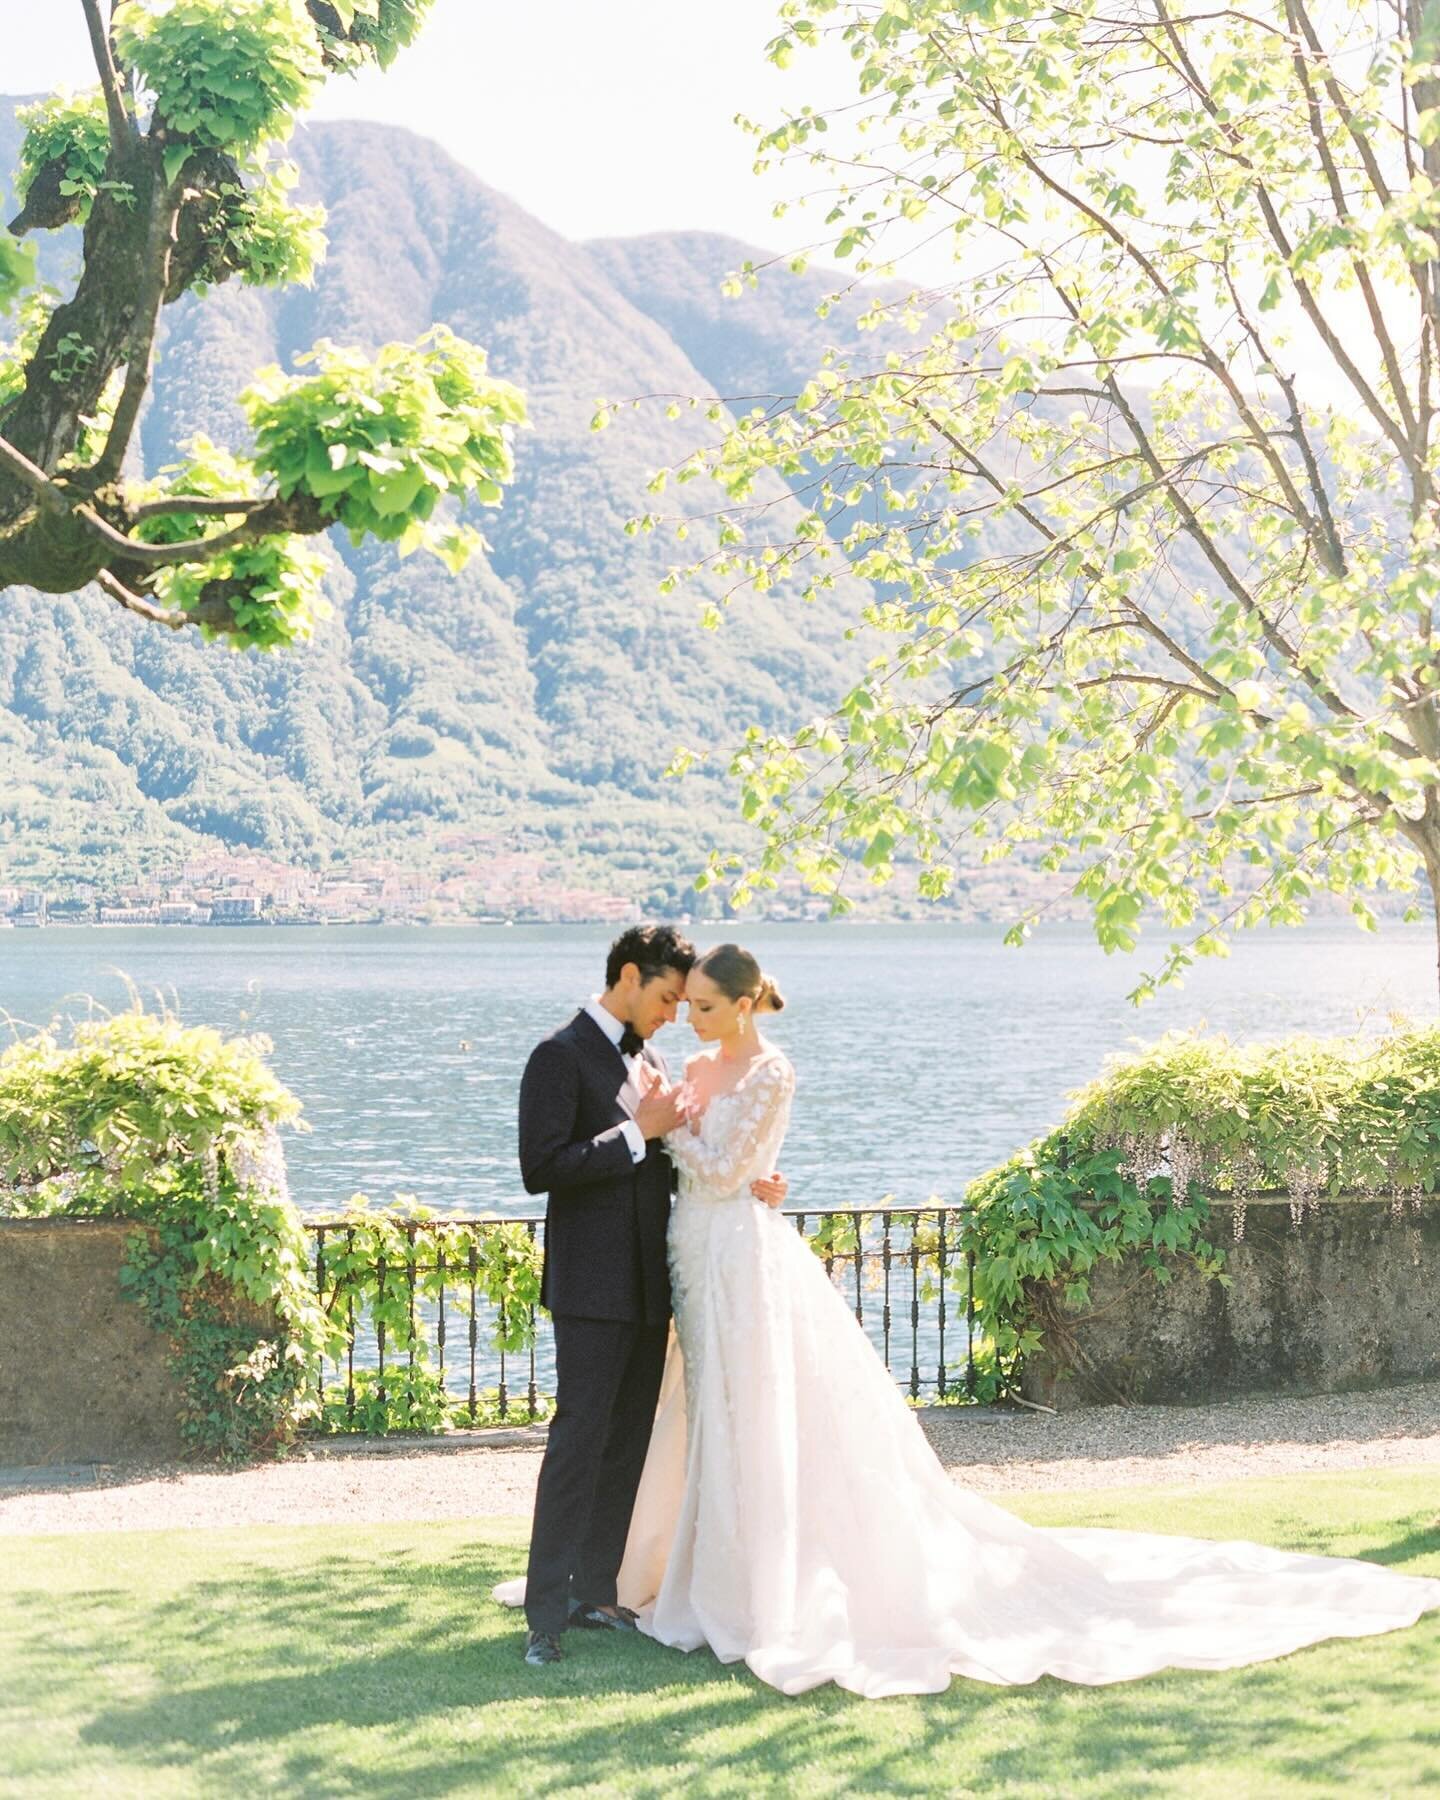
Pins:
<point x="991" y="1451"/>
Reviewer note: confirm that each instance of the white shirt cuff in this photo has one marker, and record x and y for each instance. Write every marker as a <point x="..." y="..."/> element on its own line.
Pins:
<point x="635" y="1138"/>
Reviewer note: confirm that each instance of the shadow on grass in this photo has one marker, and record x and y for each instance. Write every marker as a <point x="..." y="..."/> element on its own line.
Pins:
<point x="1418" y="1539"/>
<point x="402" y="1678"/>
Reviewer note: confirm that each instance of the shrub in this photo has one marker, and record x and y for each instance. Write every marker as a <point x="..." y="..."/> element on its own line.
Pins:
<point x="140" y="1118"/>
<point x="1147" y="1150"/>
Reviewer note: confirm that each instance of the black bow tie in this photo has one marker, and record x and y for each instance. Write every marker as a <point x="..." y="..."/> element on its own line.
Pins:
<point x="631" y="1042"/>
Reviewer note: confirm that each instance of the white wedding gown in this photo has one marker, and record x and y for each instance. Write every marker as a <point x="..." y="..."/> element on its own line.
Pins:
<point x="793" y="1516"/>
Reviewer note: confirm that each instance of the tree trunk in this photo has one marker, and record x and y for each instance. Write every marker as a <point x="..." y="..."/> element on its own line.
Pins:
<point x="1432" y="871"/>
<point x="88" y="336"/>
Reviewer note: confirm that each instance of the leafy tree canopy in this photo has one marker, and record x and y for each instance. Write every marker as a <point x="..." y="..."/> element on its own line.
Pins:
<point x="17" y="270"/>
<point x="170" y="167"/>
<point x="1149" y="501"/>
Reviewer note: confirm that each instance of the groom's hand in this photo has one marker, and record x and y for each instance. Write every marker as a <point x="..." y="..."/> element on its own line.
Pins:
<point x="660" y="1110"/>
<point x="772" y="1189"/>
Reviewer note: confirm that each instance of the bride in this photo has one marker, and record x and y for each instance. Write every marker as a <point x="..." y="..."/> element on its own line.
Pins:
<point x="792" y="1514"/>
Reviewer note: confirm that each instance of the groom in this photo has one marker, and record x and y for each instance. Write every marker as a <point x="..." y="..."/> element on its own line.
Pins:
<point x="590" y="1128"/>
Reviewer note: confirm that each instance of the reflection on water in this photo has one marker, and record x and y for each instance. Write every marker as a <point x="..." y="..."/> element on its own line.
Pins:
<point x="924" y="1053"/>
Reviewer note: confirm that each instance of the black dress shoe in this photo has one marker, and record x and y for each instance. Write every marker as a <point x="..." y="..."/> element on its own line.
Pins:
<point x="541" y="1648"/>
<point x="595" y="1618"/>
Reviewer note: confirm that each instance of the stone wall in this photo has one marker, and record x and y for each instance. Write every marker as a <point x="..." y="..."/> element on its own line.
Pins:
<point x="1350" y="1298"/>
<point x="83" y="1378"/>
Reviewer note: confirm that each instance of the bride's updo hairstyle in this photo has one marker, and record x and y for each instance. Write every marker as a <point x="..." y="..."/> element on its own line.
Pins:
<point x="737" y="975"/>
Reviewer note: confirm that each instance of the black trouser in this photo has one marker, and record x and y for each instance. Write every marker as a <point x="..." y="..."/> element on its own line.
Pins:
<point x="607" y="1384"/>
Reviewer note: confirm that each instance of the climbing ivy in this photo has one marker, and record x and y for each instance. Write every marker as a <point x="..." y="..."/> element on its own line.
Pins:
<point x="1149" y="1154"/>
<point x="140" y="1118"/>
<point x="379" y="1269"/>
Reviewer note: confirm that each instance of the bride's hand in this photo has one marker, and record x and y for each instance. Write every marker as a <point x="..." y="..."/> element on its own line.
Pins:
<point x="771" y="1189"/>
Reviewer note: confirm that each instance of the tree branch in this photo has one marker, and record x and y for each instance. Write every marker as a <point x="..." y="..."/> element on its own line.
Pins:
<point x="29" y="474"/>
<point x="57" y="498"/>
<point x="1273" y="636"/>
<point x="1295" y="793"/>
<point x="1138" y="616"/>
<point x="1309" y="305"/>
<point x="122" y="126"/>
<point x="300" y="514"/>
<point x="155" y="509"/>
<point x="1142" y="621"/>
<point x="1132" y="678"/>
<point x="212" y="610"/>
<point x="1208" y="683"/>
<point x="145" y="609"/>
<point x="1337" y="100"/>
<point x="1210" y="357"/>
<point x="1329" y="547"/>
<point x="1357" y="264"/>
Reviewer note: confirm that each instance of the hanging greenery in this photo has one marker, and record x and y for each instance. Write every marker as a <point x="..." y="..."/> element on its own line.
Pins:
<point x="137" y="1117"/>
<point x="140" y="1118"/>
<point x="1169" y="1133"/>
<point x="381" y="1269"/>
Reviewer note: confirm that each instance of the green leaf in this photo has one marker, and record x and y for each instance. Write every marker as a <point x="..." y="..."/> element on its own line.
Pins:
<point x="395" y="493"/>
<point x="879" y="849"/>
<point x="17" y="272"/>
<point x="174" y="159"/>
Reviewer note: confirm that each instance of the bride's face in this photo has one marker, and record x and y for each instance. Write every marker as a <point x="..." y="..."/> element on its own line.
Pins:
<point x="714" y="1018"/>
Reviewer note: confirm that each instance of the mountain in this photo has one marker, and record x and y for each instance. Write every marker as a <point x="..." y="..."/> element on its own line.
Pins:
<point x="537" y="696"/>
<point x="769" y="341"/>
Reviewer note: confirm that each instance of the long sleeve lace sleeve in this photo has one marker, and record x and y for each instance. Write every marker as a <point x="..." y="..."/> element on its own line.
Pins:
<point x="742" y="1132"/>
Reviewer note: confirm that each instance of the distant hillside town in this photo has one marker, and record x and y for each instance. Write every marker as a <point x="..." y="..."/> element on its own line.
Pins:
<point x="483" y="883"/>
<point x="257" y="890"/>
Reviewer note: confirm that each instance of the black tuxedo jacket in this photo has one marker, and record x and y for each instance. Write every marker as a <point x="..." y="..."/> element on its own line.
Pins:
<point x="606" y="1216"/>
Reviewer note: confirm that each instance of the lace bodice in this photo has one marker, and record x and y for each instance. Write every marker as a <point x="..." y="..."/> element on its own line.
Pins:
<point x="740" y="1132"/>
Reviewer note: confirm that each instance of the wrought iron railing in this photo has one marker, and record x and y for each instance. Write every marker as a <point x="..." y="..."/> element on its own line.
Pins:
<point x="905" y="1271"/>
<point x="397" y="1317"/>
<point x="920" y="1272"/>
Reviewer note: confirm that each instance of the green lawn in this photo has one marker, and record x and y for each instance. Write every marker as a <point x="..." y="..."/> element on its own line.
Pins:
<point x="315" y="1661"/>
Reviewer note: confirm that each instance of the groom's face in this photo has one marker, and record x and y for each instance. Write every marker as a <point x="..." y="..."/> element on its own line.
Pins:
<point x="655" y="1002"/>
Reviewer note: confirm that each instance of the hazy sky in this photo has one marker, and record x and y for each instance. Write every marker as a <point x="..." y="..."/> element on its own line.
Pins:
<point x="615" y="118"/>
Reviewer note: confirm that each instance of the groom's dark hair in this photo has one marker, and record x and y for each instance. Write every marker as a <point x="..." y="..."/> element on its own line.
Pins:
<point x="653" y="949"/>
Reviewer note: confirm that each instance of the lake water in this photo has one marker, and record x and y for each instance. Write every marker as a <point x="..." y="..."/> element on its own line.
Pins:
<point x="924" y="1053"/>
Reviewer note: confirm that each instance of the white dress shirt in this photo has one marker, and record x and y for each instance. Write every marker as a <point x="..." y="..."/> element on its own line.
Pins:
<point x="614" y="1030"/>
